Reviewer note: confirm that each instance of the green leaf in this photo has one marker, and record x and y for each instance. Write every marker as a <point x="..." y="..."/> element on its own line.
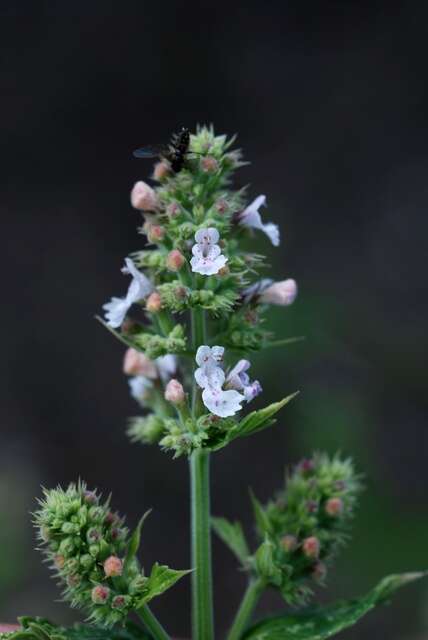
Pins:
<point x="233" y="536"/>
<point x="258" y="420"/>
<point x="324" y="623"/>
<point x="160" y="579"/>
<point x="262" y="520"/>
<point x="134" y="543"/>
<point x="36" y="628"/>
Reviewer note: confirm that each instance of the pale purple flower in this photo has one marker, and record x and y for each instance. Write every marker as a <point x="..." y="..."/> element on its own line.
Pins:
<point x="282" y="293"/>
<point x="140" y="388"/>
<point x="251" y="217"/>
<point x="222" y="403"/>
<point x="207" y="257"/>
<point x="139" y="289"/>
<point x="167" y="366"/>
<point x="209" y="373"/>
<point x="210" y="377"/>
<point x="239" y="379"/>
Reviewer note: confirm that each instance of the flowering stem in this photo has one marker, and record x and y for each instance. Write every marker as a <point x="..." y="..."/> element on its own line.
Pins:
<point x="152" y="624"/>
<point x="202" y="598"/>
<point x="198" y="338"/>
<point x="254" y="590"/>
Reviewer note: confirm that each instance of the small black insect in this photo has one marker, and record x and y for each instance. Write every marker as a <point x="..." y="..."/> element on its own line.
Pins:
<point x="174" y="152"/>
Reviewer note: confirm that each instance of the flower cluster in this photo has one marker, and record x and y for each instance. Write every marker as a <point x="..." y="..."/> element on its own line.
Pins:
<point x="305" y="525"/>
<point x="196" y="268"/>
<point x="89" y="548"/>
<point x="210" y="377"/>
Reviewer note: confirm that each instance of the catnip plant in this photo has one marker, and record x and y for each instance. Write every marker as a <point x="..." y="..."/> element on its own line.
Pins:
<point x="192" y="314"/>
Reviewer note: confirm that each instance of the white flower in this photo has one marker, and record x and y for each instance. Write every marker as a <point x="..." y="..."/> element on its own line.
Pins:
<point x="239" y="379"/>
<point x="209" y="373"/>
<point x="207" y="257"/>
<point x="222" y="403"/>
<point x="167" y="366"/>
<point x="210" y="377"/>
<point x="140" y="387"/>
<point x="251" y="217"/>
<point x="139" y="289"/>
<point x="282" y="293"/>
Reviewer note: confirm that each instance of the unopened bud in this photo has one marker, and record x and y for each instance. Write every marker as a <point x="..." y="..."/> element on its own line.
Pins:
<point x="128" y="326"/>
<point x="59" y="561"/>
<point x="74" y="580"/>
<point x="113" y="567"/>
<point x="173" y="210"/>
<point x="100" y="594"/>
<point x="222" y="205"/>
<point x="138" y="364"/>
<point x="209" y="164"/>
<point x="154" y="302"/>
<point x="90" y="497"/>
<point x="281" y="293"/>
<point x="161" y="170"/>
<point x="311" y="547"/>
<point x="306" y="466"/>
<point x="174" y="392"/>
<point x="120" y="602"/>
<point x="289" y="543"/>
<point x="319" y="571"/>
<point x="143" y="197"/>
<point x="175" y="260"/>
<point x="334" y="507"/>
<point x="155" y="233"/>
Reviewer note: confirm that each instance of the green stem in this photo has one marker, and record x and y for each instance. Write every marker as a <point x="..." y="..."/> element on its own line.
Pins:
<point x="202" y="598"/>
<point x="251" y="597"/>
<point x="198" y="338"/>
<point x="152" y="624"/>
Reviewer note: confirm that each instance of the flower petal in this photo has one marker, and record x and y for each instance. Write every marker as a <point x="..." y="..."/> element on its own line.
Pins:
<point x="222" y="403"/>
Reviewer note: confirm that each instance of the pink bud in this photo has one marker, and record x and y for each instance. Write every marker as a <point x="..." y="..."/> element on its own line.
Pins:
<point x="155" y="233"/>
<point x="311" y="547"/>
<point x="100" y="594"/>
<point x="175" y="260"/>
<point x="172" y="210"/>
<point x="174" y="392"/>
<point x="319" y="571"/>
<point x="222" y="205"/>
<point x="281" y="293"/>
<point x="143" y="197"/>
<point x="113" y="567"/>
<point x="138" y="364"/>
<point x="59" y="561"/>
<point x="334" y="507"/>
<point x="154" y="302"/>
<point x="209" y="164"/>
<point x="161" y="170"/>
<point x="289" y="542"/>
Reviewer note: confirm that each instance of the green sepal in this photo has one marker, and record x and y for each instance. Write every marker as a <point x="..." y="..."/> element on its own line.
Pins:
<point x="263" y="523"/>
<point x="160" y="580"/>
<point x="264" y="560"/>
<point x="232" y="534"/>
<point x="134" y="543"/>
<point x="322" y="623"/>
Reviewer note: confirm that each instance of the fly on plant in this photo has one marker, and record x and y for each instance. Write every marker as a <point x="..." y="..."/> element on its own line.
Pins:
<point x="174" y="152"/>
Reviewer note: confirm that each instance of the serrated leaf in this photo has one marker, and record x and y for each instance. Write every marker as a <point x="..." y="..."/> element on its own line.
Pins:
<point x="32" y="628"/>
<point x="134" y="543"/>
<point x="233" y="536"/>
<point x="260" y="419"/>
<point x="324" y="623"/>
<point x="161" y="578"/>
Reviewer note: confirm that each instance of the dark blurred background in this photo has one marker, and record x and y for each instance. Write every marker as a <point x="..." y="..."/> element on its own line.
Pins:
<point x="330" y="102"/>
